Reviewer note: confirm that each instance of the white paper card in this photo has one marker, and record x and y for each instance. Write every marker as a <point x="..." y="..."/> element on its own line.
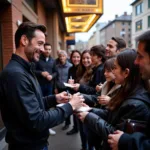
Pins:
<point x="68" y="85"/>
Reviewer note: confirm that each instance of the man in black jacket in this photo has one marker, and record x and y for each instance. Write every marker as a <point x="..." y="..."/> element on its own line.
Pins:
<point x="25" y="112"/>
<point x="136" y="141"/>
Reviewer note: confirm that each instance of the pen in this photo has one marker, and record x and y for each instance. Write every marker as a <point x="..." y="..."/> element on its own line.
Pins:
<point x="68" y="94"/>
<point x="70" y="77"/>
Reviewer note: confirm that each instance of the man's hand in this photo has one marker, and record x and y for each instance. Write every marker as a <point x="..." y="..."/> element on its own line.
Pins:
<point x="113" y="139"/>
<point x="45" y="74"/>
<point x="62" y="97"/>
<point x="49" y="77"/>
<point x="76" y="101"/>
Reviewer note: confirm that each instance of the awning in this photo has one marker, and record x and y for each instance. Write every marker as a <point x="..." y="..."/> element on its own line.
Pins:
<point x="80" y="15"/>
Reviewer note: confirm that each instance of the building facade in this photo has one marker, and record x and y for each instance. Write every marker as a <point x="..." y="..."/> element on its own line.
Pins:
<point x="119" y="27"/>
<point x="140" y="18"/>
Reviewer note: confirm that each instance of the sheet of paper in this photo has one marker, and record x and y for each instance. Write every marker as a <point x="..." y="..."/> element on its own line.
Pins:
<point x="82" y="109"/>
<point x="68" y="85"/>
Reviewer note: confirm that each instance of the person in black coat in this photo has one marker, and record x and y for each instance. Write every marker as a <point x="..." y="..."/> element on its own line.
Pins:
<point x="126" y="104"/>
<point x="137" y="140"/>
<point x="25" y="112"/>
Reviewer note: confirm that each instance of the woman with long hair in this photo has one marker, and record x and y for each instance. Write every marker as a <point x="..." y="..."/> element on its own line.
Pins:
<point x="75" y="59"/>
<point x="84" y="71"/>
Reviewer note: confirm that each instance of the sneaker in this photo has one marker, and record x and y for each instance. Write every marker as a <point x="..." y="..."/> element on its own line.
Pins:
<point x="52" y="132"/>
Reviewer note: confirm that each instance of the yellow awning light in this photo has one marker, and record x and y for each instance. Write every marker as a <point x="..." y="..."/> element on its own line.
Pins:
<point x="80" y="15"/>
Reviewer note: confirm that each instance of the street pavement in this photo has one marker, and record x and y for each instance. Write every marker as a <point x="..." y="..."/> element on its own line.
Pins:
<point x="60" y="141"/>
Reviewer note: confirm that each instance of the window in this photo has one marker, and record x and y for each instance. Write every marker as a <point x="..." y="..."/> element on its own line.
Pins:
<point x="148" y="3"/>
<point x="123" y="30"/>
<point x="129" y="23"/>
<point x="129" y="35"/>
<point x="138" y="25"/>
<point x="32" y="4"/>
<point x="123" y="35"/>
<point x="148" y="21"/>
<point x="129" y="30"/>
<point x="139" y="9"/>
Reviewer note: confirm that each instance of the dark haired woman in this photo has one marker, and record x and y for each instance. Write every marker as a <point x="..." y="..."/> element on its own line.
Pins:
<point x="75" y="58"/>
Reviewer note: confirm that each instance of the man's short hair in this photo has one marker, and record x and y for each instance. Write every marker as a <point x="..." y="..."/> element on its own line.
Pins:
<point x="99" y="50"/>
<point x="145" y="37"/>
<point x="28" y="29"/>
<point x="120" y="42"/>
<point x="47" y="44"/>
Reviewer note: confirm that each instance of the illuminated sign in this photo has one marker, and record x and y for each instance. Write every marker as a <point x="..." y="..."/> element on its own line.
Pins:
<point x="80" y="15"/>
<point x="83" y="6"/>
<point x="82" y="2"/>
<point x="80" y="23"/>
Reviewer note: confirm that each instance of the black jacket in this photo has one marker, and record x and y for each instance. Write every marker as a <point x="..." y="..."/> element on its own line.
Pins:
<point x="25" y="113"/>
<point x="104" y="122"/>
<point x="72" y="73"/>
<point x="98" y="77"/>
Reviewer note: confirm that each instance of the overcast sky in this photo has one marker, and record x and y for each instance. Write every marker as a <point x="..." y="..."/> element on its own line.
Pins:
<point x="111" y="8"/>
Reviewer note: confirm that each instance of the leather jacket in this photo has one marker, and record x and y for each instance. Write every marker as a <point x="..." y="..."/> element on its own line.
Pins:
<point x="25" y="112"/>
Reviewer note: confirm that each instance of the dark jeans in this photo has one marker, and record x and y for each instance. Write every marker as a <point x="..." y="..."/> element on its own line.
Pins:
<point x="84" y="137"/>
<point x="93" y="139"/>
<point x="47" y="89"/>
<point x="67" y="121"/>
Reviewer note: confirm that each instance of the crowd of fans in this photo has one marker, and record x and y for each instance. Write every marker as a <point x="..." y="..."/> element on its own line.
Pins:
<point x="109" y="82"/>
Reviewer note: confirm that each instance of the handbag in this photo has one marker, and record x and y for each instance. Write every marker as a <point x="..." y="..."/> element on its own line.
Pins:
<point x="131" y="126"/>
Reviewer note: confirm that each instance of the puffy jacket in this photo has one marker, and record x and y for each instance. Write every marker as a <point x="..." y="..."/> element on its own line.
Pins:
<point x="25" y="112"/>
<point x="104" y="122"/>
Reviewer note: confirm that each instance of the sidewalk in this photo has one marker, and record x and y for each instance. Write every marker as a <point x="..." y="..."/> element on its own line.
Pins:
<point x="60" y="141"/>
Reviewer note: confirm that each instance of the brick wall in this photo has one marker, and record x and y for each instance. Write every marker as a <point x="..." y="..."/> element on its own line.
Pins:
<point x="6" y="25"/>
<point x="41" y="13"/>
<point x="16" y="15"/>
<point x="8" y="19"/>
